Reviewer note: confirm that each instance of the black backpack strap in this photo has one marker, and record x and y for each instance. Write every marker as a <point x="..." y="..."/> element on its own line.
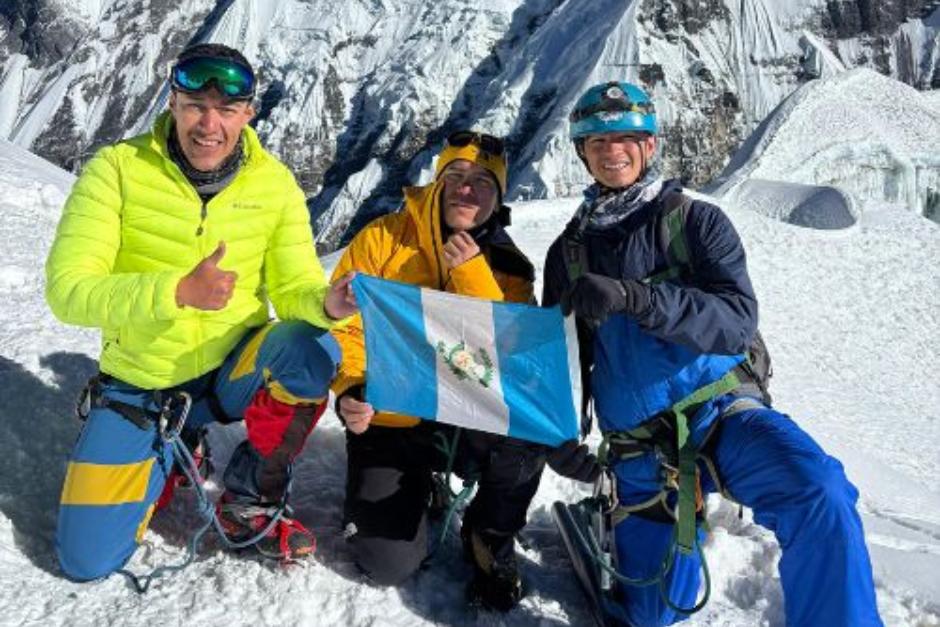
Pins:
<point x="574" y="254"/>
<point x="755" y="371"/>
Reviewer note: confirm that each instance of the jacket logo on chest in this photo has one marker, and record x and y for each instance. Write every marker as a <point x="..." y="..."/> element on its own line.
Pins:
<point x="240" y="204"/>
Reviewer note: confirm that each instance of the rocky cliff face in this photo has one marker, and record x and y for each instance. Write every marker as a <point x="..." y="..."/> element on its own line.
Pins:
<point x="81" y="75"/>
<point x="357" y="97"/>
<point x="883" y="31"/>
<point x="37" y="29"/>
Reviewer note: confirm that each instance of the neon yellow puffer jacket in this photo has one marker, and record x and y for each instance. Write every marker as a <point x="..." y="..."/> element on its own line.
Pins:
<point x="134" y="226"/>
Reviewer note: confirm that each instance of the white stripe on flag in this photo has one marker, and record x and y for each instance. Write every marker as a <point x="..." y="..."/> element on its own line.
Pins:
<point x="469" y="392"/>
<point x="574" y="364"/>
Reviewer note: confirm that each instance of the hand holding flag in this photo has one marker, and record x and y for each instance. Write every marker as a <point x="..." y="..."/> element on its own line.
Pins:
<point x="340" y="301"/>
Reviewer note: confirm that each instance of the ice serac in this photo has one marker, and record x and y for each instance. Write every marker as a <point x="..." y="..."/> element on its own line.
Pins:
<point x="357" y="96"/>
<point x="863" y="133"/>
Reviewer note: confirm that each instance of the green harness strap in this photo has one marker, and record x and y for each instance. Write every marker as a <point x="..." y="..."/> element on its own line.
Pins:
<point x="630" y="445"/>
<point x="687" y="453"/>
<point x="672" y="233"/>
<point x="575" y="254"/>
<point x="685" y="537"/>
<point x="455" y="500"/>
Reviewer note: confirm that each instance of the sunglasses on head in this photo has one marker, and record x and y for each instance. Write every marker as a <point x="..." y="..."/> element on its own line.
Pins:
<point x="232" y="79"/>
<point x="488" y="143"/>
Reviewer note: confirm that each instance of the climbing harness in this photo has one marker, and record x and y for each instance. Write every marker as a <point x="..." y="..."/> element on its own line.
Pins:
<point x="168" y="422"/>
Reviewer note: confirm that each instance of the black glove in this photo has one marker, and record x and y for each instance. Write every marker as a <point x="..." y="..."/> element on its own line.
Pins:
<point x="595" y="297"/>
<point x="575" y="461"/>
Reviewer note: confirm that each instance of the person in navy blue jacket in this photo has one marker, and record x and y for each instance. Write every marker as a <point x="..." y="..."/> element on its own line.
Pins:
<point x="659" y="352"/>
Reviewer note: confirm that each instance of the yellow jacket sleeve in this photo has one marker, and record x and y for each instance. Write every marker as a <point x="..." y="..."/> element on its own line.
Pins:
<point x="361" y="255"/>
<point x="294" y="277"/>
<point x="80" y="286"/>
<point x="517" y="289"/>
<point x="474" y="277"/>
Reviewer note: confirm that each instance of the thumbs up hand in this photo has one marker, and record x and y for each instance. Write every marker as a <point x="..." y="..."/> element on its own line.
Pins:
<point x="207" y="287"/>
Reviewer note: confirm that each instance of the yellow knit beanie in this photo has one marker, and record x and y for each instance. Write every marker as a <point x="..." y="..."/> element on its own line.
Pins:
<point x="495" y="164"/>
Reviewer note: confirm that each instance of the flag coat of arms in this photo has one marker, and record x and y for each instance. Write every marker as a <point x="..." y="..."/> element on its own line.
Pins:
<point x="503" y="368"/>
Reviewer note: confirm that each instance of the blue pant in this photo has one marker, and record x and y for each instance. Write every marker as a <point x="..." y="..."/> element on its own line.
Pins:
<point x="796" y="490"/>
<point x="118" y="469"/>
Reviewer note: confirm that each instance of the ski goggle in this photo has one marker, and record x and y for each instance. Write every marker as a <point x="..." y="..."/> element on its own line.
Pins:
<point x="232" y="79"/>
<point x="611" y="105"/>
<point x="487" y="143"/>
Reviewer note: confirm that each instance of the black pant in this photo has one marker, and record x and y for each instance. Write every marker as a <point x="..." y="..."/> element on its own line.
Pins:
<point x="388" y="491"/>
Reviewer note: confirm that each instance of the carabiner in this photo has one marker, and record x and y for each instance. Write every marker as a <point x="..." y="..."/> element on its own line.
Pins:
<point x="173" y="415"/>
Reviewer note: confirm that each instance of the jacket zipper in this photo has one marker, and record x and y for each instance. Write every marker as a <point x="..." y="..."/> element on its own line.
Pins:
<point x="203" y="213"/>
<point x="200" y="229"/>
<point x="440" y="271"/>
<point x="437" y="258"/>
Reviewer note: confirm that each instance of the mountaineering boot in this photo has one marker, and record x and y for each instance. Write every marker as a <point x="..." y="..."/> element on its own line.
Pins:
<point x="198" y="445"/>
<point x="286" y="540"/>
<point x="257" y="478"/>
<point x="496" y="584"/>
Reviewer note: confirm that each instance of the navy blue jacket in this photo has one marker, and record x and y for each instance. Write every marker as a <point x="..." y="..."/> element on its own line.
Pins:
<point x="696" y="328"/>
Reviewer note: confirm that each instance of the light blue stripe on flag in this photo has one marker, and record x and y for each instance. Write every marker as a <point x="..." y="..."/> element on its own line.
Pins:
<point x="400" y="364"/>
<point x="536" y="373"/>
<point x="498" y="367"/>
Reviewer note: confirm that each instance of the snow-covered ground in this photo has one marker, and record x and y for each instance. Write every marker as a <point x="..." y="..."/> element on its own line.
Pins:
<point x="849" y="311"/>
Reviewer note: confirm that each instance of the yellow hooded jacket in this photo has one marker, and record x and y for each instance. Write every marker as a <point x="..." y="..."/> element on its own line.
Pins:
<point x="133" y="226"/>
<point x="407" y="247"/>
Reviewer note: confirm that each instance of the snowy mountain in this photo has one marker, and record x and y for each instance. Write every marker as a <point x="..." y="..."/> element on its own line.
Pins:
<point x="849" y="289"/>
<point x="358" y="96"/>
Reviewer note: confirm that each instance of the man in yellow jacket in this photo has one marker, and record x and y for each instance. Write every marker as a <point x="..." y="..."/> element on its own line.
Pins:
<point x="174" y="243"/>
<point x="448" y="236"/>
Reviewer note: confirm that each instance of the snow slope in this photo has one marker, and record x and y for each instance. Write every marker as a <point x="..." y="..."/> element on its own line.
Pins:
<point x="849" y="315"/>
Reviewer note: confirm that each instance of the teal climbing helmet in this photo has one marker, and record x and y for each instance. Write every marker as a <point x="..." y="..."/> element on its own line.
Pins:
<point x="613" y="107"/>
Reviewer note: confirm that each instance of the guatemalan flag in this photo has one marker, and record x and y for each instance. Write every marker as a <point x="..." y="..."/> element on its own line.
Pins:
<point x="504" y="368"/>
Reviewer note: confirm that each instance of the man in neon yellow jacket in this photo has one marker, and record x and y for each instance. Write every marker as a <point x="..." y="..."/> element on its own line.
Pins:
<point x="173" y="243"/>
